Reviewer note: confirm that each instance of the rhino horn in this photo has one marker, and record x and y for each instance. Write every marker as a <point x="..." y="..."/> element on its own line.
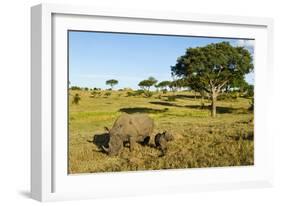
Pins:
<point x="105" y="149"/>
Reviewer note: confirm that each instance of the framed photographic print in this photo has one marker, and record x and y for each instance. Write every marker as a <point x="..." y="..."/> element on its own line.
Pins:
<point x="136" y="102"/>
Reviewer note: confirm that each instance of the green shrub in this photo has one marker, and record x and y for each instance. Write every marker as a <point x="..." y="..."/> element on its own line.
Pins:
<point x="75" y="88"/>
<point x="223" y="97"/>
<point x="107" y="94"/>
<point x="229" y="96"/>
<point x="139" y="92"/>
<point x="234" y="95"/>
<point x="171" y="98"/>
<point x="94" y="94"/>
<point x="148" y="93"/>
<point x="251" y="108"/>
<point x="76" y="99"/>
<point x="130" y="94"/>
<point x="159" y="96"/>
<point x="250" y="91"/>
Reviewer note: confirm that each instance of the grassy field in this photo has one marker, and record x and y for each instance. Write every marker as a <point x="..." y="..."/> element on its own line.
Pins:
<point x="200" y="140"/>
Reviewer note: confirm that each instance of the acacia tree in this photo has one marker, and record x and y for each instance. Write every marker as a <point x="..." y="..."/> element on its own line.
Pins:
<point x="243" y="87"/>
<point x="111" y="82"/>
<point x="178" y="84"/>
<point x="173" y="86"/>
<point x="152" y="80"/>
<point x="164" y="84"/>
<point x="147" y="83"/>
<point x="213" y="67"/>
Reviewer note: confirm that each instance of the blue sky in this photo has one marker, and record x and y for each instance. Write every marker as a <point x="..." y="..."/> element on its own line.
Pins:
<point x="95" y="57"/>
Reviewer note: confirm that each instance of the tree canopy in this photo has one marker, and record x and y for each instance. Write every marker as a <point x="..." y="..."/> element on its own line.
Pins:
<point x="111" y="82"/>
<point x="163" y="84"/>
<point x="147" y="83"/>
<point x="213" y="67"/>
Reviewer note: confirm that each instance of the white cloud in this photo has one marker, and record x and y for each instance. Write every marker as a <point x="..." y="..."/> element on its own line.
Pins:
<point x="245" y="43"/>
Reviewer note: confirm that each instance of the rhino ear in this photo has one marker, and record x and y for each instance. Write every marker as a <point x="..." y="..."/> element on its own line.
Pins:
<point x="106" y="129"/>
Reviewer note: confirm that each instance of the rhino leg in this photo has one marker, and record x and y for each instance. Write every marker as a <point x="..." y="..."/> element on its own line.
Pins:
<point x="163" y="146"/>
<point x="145" y="141"/>
<point x="132" y="144"/>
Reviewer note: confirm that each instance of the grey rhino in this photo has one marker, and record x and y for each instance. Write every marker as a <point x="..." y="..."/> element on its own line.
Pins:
<point x="161" y="140"/>
<point x="130" y="128"/>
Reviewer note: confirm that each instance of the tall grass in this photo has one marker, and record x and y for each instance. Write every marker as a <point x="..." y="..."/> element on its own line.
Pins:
<point x="200" y="140"/>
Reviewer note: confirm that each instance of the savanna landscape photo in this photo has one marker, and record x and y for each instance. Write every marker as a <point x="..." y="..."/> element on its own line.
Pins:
<point x="151" y="102"/>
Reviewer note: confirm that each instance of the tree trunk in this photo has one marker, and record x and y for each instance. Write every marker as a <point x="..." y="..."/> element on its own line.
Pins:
<point x="214" y="104"/>
<point x="202" y="101"/>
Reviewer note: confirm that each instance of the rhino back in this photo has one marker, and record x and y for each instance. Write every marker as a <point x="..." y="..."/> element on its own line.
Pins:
<point x="133" y="125"/>
<point x="143" y="123"/>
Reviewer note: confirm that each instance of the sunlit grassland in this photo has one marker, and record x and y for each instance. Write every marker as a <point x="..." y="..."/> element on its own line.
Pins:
<point x="200" y="140"/>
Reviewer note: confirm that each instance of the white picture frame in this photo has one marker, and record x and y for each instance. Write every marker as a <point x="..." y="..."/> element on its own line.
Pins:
<point x="49" y="178"/>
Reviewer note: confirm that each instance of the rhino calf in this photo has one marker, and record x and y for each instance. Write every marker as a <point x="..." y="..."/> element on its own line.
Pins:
<point x="161" y="140"/>
<point x="130" y="128"/>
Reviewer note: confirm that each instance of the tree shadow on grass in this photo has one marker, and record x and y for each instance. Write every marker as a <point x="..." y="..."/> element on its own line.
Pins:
<point x="188" y="96"/>
<point x="131" y="110"/>
<point x="224" y="110"/>
<point x="166" y="104"/>
<point x="220" y="109"/>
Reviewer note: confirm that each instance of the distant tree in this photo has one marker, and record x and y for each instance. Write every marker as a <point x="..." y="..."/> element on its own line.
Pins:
<point x="95" y="93"/>
<point x="75" y="88"/>
<point x="157" y="87"/>
<point x="76" y="99"/>
<point x="107" y="94"/>
<point x="177" y="84"/>
<point x="237" y="85"/>
<point x="173" y="86"/>
<point x="111" y="82"/>
<point x="245" y="88"/>
<point x="213" y="67"/>
<point x="152" y="80"/>
<point x="181" y="83"/>
<point x="250" y="90"/>
<point x="196" y="87"/>
<point x="163" y="85"/>
<point x="241" y="86"/>
<point x="147" y="83"/>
